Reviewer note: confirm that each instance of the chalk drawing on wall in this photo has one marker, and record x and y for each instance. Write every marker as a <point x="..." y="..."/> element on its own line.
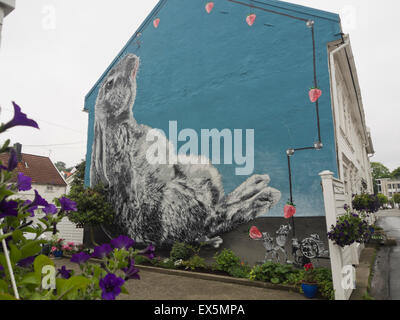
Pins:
<point x="163" y="203"/>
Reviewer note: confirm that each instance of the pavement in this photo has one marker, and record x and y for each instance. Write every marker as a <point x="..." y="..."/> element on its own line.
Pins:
<point x="161" y="286"/>
<point x="385" y="284"/>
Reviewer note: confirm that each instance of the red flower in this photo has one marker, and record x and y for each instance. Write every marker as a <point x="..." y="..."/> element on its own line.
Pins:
<point x="309" y="266"/>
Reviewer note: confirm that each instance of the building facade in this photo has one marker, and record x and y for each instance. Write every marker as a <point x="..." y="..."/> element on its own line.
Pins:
<point x="244" y="71"/>
<point x="388" y="187"/>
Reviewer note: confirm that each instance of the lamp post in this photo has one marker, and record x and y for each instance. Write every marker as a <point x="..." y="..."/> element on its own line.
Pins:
<point x="6" y="7"/>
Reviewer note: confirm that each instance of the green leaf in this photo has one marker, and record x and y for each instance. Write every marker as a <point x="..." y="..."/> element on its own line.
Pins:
<point x="32" y="248"/>
<point x="17" y="235"/>
<point x="124" y="291"/>
<point x="68" y="290"/>
<point x="31" y="278"/>
<point x="3" y="286"/>
<point x="275" y="280"/>
<point x="6" y="296"/>
<point x="40" y="262"/>
<point x="4" y="192"/>
<point x="15" y="253"/>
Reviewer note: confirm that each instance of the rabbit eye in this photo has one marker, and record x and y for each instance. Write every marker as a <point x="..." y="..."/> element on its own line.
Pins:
<point x="109" y="85"/>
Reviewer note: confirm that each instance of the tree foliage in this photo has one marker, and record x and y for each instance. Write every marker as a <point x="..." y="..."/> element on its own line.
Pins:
<point x="396" y="173"/>
<point x="93" y="207"/>
<point x="61" y="166"/>
<point x="379" y="171"/>
<point x="382" y="199"/>
<point x="396" y="198"/>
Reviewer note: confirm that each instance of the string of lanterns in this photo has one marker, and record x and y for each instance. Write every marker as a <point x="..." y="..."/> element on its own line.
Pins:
<point x="250" y="19"/>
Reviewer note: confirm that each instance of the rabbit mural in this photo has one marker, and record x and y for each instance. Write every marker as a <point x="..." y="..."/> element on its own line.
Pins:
<point x="162" y="203"/>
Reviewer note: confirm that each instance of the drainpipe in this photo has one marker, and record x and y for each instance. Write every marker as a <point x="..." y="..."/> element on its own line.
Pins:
<point x="2" y="14"/>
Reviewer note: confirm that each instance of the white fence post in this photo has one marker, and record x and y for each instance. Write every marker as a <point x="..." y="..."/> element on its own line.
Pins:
<point x="334" y="250"/>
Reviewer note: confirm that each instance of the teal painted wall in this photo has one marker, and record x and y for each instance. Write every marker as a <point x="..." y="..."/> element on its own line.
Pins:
<point x="214" y="71"/>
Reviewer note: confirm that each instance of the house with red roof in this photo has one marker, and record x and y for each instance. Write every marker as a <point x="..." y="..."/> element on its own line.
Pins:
<point x="50" y="184"/>
<point x="46" y="179"/>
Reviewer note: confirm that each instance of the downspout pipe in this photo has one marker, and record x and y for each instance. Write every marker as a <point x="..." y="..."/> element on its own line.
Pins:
<point x="2" y="15"/>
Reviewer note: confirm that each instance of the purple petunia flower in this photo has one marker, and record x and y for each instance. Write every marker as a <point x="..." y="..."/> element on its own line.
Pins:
<point x="8" y="209"/>
<point x="131" y="272"/>
<point x="67" y="204"/>
<point x="1" y="268"/>
<point x="122" y="242"/>
<point x="20" y="119"/>
<point x="24" y="182"/>
<point x="111" y="286"/>
<point x="148" y="252"/>
<point x="26" y="262"/>
<point x="30" y="209"/>
<point x="80" y="258"/>
<point x="39" y="201"/>
<point x="50" y="209"/>
<point x="65" y="274"/>
<point x="101" y="251"/>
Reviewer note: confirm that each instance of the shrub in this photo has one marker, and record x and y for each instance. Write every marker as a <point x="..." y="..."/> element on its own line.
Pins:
<point x="195" y="262"/>
<point x="182" y="251"/>
<point x="226" y="260"/>
<point x="272" y="272"/>
<point x="241" y="271"/>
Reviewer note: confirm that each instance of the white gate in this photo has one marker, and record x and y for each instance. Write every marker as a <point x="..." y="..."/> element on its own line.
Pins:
<point x="335" y="199"/>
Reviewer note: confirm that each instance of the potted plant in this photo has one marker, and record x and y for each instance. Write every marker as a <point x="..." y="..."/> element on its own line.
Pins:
<point x="57" y="247"/>
<point x="350" y="228"/>
<point x="309" y="284"/>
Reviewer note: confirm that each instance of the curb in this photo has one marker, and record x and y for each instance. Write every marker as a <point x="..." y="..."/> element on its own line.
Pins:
<point x="213" y="277"/>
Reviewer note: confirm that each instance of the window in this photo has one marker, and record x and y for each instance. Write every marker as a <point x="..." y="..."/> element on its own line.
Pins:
<point x="49" y="188"/>
<point x="379" y="188"/>
<point x="390" y="194"/>
<point x="390" y="186"/>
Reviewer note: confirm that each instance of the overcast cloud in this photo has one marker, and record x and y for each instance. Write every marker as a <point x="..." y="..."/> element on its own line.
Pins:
<point x="47" y="66"/>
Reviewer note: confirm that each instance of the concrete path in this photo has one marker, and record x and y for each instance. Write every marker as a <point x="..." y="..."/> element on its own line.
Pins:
<point x="386" y="282"/>
<point x="158" y="286"/>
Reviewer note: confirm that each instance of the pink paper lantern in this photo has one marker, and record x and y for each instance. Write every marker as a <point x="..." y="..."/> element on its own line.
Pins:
<point x="209" y="7"/>
<point x="251" y="18"/>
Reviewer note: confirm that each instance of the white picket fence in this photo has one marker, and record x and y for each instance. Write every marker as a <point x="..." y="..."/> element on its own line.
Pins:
<point x="67" y="230"/>
<point x="335" y="199"/>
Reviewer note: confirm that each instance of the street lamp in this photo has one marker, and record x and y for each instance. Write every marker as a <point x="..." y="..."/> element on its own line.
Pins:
<point x="6" y="6"/>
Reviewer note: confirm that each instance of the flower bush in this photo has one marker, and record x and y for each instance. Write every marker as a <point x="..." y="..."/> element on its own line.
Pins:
<point x="21" y="276"/>
<point x="309" y="276"/>
<point x="350" y="228"/>
<point x="368" y="203"/>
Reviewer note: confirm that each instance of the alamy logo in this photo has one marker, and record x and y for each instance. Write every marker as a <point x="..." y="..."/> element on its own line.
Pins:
<point x="348" y="277"/>
<point x="48" y="278"/>
<point x="196" y="150"/>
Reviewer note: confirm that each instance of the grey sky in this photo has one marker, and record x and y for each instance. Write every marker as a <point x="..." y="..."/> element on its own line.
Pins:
<point x="48" y="65"/>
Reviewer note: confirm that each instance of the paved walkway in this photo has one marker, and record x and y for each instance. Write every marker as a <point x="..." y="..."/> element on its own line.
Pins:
<point x="158" y="286"/>
<point x="386" y="282"/>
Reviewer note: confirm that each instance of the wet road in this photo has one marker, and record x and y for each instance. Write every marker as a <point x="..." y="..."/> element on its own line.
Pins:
<point x="386" y="282"/>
